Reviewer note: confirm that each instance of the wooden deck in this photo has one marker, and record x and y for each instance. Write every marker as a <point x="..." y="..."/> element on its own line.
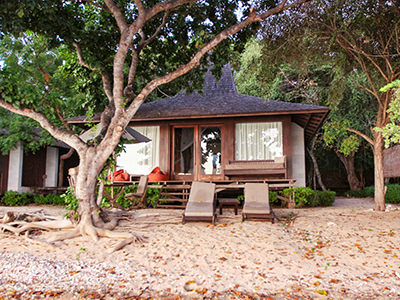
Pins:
<point x="175" y="193"/>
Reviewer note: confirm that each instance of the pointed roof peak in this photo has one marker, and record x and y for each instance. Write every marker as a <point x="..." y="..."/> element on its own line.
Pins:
<point x="225" y="85"/>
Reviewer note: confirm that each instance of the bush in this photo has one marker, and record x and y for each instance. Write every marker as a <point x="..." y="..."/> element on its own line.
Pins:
<point x="306" y="197"/>
<point x="49" y="199"/>
<point x="393" y="193"/>
<point x="303" y="195"/>
<point x="323" y="198"/>
<point x="11" y="198"/>
<point x="150" y="200"/>
<point x="273" y="199"/>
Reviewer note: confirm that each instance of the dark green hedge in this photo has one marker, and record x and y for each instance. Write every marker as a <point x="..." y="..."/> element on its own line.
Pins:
<point x="392" y="194"/>
<point x="11" y="198"/>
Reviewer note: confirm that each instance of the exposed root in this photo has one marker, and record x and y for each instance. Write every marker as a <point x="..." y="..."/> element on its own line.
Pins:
<point x="27" y="238"/>
<point x="64" y="236"/>
<point x="121" y="244"/>
<point x="8" y="217"/>
<point x="28" y="223"/>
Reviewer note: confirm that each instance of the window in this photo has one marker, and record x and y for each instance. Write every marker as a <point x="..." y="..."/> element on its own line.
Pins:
<point x="258" y="141"/>
<point x="141" y="158"/>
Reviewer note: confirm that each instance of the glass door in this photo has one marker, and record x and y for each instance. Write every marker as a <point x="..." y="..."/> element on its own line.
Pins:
<point x="197" y="152"/>
<point x="210" y="153"/>
<point x="184" y="152"/>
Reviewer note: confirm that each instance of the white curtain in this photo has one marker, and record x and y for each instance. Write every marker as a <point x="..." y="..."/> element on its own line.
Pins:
<point x="258" y="141"/>
<point x="143" y="157"/>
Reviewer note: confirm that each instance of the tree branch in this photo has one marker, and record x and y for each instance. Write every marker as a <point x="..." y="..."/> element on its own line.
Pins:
<point x="195" y="61"/>
<point x="140" y="7"/>
<point x="58" y="133"/>
<point x="81" y="61"/>
<point x="62" y="119"/>
<point x="119" y="16"/>
<point x="363" y="135"/>
<point x="135" y="55"/>
<point x="97" y="5"/>
<point x="145" y="42"/>
<point x="107" y="86"/>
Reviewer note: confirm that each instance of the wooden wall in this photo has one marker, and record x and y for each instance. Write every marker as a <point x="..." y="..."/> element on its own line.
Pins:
<point x="34" y="168"/>
<point x="391" y="162"/>
<point x="228" y="135"/>
<point x="3" y="173"/>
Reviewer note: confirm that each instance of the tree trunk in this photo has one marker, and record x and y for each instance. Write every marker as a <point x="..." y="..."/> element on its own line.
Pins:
<point x="61" y="166"/>
<point x="316" y="168"/>
<point x="90" y="167"/>
<point x="378" y="172"/>
<point x="348" y="162"/>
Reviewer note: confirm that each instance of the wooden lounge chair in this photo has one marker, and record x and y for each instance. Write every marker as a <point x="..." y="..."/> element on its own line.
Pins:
<point x="140" y="192"/>
<point x="201" y="205"/>
<point x="256" y="202"/>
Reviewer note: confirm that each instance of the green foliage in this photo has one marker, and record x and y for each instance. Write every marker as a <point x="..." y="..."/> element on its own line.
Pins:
<point x="70" y="200"/>
<point x="391" y="131"/>
<point x="240" y="199"/>
<point x="50" y="87"/>
<point x="273" y="199"/>
<point x="302" y="195"/>
<point x="306" y="197"/>
<point x="49" y="199"/>
<point x="152" y="196"/>
<point x="150" y="200"/>
<point x="323" y="198"/>
<point x="392" y="193"/>
<point x="11" y="198"/>
<point x="337" y="136"/>
<point x="366" y="192"/>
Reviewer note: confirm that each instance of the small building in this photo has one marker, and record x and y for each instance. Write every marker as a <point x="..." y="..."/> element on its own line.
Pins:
<point x="199" y="135"/>
<point x="25" y="171"/>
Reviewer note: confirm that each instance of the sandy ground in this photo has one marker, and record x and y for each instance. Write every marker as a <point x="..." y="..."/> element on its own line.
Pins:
<point x="346" y="251"/>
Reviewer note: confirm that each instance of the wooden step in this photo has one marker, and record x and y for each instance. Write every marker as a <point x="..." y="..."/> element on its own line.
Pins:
<point x="172" y="200"/>
<point x="173" y="193"/>
<point x="170" y="206"/>
<point x="176" y="187"/>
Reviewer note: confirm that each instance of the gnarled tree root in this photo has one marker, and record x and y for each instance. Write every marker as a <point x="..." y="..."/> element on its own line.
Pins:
<point x="86" y="228"/>
<point x="69" y="231"/>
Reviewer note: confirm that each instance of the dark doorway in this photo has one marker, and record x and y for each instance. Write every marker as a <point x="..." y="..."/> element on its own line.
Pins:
<point x="34" y="168"/>
<point x="3" y="173"/>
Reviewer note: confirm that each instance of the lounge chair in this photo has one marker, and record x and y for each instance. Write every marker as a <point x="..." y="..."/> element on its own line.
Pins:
<point x="140" y="192"/>
<point x="256" y="202"/>
<point x="201" y="205"/>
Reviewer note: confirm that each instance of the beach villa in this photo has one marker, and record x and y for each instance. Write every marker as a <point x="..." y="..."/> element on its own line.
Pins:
<point x="220" y="134"/>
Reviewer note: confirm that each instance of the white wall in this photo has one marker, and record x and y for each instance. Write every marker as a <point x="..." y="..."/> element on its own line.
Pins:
<point x="51" y="167"/>
<point x="298" y="155"/>
<point x="16" y="158"/>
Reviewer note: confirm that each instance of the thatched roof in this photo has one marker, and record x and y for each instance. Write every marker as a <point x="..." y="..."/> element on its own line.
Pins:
<point x="218" y="99"/>
<point x="221" y="99"/>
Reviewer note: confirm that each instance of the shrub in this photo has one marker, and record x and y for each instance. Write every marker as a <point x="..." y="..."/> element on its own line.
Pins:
<point x="273" y="199"/>
<point x="70" y="200"/>
<point x="306" y="197"/>
<point x="355" y="194"/>
<point x="323" y="198"/>
<point x="393" y="193"/>
<point x="150" y="200"/>
<point x="303" y="195"/>
<point x="49" y="199"/>
<point x="152" y="196"/>
<point x="366" y="192"/>
<point x="11" y="198"/>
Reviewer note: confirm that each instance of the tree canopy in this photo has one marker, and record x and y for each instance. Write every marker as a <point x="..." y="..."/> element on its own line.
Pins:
<point x="354" y="36"/>
<point x="133" y="47"/>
